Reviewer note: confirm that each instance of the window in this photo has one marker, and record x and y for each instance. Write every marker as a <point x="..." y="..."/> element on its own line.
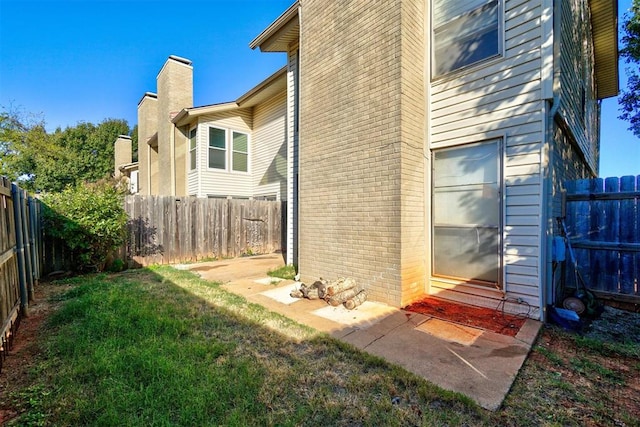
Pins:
<point x="217" y="148"/>
<point x="467" y="212"/>
<point x="193" y="142"/>
<point x="240" y="154"/>
<point x="237" y="155"/>
<point x="464" y="32"/>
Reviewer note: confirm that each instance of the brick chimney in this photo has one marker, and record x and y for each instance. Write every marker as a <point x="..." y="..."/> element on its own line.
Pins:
<point x="122" y="149"/>
<point x="147" y="144"/>
<point x="175" y="92"/>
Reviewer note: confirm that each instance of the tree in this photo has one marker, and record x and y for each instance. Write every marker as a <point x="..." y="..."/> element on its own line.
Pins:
<point x="630" y="99"/>
<point x="134" y="143"/>
<point x="20" y="136"/>
<point x="52" y="161"/>
<point x="90" y="148"/>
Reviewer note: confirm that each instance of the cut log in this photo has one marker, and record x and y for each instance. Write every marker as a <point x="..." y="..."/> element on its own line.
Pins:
<point x="340" y="285"/>
<point x="296" y="293"/>
<point x="312" y="293"/>
<point x="321" y="286"/>
<point x="341" y="297"/>
<point x="357" y="300"/>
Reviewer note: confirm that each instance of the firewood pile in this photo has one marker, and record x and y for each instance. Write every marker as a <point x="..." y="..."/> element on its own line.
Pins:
<point x="341" y="291"/>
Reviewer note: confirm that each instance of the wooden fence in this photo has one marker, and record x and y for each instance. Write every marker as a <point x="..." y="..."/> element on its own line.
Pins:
<point x="165" y="230"/>
<point x="603" y="222"/>
<point x="20" y="255"/>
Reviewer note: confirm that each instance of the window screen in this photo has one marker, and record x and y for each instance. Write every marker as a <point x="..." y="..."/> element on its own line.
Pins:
<point x="217" y="148"/>
<point x="240" y="160"/>
<point x="465" y="32"/>
<point x="192" y="148"/>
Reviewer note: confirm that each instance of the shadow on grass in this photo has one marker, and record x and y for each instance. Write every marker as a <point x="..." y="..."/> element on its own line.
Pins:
<point x="164" y="347"/>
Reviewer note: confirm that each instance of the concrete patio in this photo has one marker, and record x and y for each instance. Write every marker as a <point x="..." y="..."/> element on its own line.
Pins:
<point x="477" y="363"/>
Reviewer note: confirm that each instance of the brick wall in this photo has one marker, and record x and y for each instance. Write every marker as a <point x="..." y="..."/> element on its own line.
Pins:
<point x="414" y="256"/>
<point x="362" y="127"/>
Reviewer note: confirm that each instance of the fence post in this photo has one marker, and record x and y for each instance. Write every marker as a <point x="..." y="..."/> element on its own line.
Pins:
<point x="22" y="277"/>
<point x="26" y="238"/>
<point x="611" y="234"/>
<point x="36" y="239"/>
<point x="629" y="233"/>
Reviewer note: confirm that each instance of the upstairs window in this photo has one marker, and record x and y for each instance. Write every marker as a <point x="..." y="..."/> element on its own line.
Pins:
<point x="240" y="155"/>
<point x="464" y="32"/>
<point x="217" y="148"/>
<point x="193" y="142"/>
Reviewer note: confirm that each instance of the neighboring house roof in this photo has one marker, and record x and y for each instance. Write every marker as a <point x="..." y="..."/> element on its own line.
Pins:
<point x="153" y="140"/>
<point x="278" y="36"/>
<point x="604" y="24"/>
<point x="128" y="167"/>
<point x="271" y="86"/>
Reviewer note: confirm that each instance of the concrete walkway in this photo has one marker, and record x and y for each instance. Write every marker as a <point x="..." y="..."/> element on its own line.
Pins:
<point x="475" y="362"/>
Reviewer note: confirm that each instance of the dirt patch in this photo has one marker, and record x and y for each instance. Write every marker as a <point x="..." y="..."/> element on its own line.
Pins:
<point x="207" y="267"/>
<point x="615" y="325"/>
<point x="587" y="386"/>
<point x="478" y="317"/>
<point x="23" y="356"/>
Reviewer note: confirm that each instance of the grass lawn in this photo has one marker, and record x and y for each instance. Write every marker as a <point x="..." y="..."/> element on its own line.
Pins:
<point x="162" y="347"/>
<point x="287" y="272"/>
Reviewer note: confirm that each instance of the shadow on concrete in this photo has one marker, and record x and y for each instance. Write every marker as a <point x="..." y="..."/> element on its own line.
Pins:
<point x="477" y="363"/>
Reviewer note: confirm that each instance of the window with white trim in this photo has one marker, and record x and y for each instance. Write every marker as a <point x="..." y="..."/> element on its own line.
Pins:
<point x="228" y="150"/>
<point x="217" y="148"/>
<point x="467" y="213"/>
<point x="193" y="145"/>
<point x="240" y="152"/>
<point x="465" y="32"/>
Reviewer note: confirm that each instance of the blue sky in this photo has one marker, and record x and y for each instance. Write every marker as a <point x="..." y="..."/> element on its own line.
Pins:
<point x="90" y="60"/>
<point x="79" y="60"/>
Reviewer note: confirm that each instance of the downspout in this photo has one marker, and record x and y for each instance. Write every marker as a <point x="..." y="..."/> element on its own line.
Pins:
<point x="172" y="157"/>
<point x="546" y="175"/>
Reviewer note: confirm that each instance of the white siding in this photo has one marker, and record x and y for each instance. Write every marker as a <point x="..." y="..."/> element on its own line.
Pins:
<point x="501" y="98"/>
<point x="217" y="182"/>
<point x="269" y="154"/>
<point x="576" y="74"/>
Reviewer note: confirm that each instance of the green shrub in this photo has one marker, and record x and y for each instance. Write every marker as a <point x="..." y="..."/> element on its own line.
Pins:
<point x="89" y="219"/>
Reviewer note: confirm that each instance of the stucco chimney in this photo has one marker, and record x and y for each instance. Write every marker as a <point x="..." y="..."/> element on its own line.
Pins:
<point x="175" y="92"/>
<point x="148" y="154"/>
<point x="122" y="153"/>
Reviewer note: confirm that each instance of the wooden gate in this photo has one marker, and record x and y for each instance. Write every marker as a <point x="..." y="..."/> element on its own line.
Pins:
<point x="603" y="222"/>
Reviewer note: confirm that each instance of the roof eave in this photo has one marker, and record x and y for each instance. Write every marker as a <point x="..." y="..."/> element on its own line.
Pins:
<point x="128" y="166"/>
<point x="267" y="40"/>
<point x="604" y="24"/>
<point x="246" y="99"/>
<point x="187" y="115"/>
